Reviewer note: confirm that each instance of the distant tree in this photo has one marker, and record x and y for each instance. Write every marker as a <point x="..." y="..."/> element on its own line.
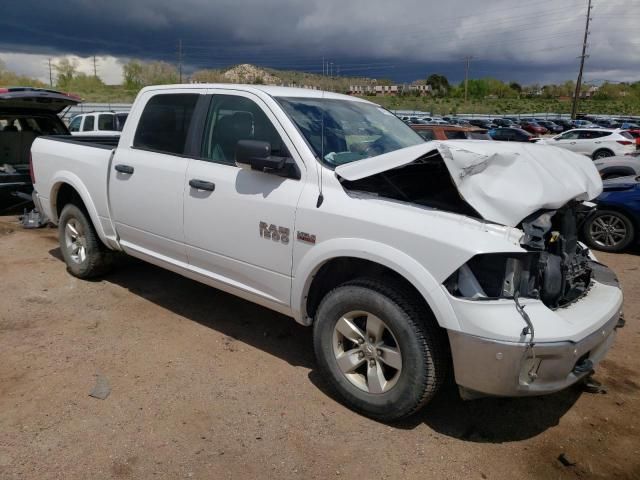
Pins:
<point x="132" y="73"/>
<point x="66" y="69"/>
<point x="439" y="84"/>
<point x="515" y="86"/>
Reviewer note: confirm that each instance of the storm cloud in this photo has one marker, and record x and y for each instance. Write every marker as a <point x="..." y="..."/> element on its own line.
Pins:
<point x="402" y="40"/>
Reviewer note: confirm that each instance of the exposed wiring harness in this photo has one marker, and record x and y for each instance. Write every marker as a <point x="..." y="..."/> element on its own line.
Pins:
<point x="528" y="330"/>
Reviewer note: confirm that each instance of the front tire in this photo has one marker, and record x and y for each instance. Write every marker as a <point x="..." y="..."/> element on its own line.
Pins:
<point x="83" y="252"/>
<point x="608" y="230"/>
<point x="380" y="350"/>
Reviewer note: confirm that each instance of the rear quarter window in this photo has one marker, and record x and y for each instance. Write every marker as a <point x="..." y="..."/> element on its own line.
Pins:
<point x="106" y="121"/>
<point x="164" y="123"/>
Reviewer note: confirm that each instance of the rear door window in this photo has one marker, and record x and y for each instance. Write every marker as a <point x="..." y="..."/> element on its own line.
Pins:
<point x="164" y="123"/>
<point x="88" y="124"/>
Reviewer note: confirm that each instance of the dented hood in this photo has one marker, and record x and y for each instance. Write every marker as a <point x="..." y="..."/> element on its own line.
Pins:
<point x="503" y="181"/>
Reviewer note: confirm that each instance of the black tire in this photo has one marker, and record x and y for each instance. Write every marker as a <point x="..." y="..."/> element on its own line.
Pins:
<point x="97" y="259"/>
<point x="597" y="239"/>
<point x="422" y="343"/>
<point x="604" y="153"/>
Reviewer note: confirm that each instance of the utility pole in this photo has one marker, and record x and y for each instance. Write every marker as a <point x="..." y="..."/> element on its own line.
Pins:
<point x="576" y="93"/>
<point x="180" y="59"/>
<point x="50" y="74"/>
<point x="323" y="65"/>
<point x="467" y="59"/>
<point x="330" y="69"/>
<point x="95" y="69"/>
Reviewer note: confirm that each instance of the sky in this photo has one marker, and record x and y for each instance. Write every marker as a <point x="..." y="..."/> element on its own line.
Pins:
<point x="403" y="40"/>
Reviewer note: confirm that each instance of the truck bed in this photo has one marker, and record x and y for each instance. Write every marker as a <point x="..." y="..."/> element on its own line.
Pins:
<point x="82" y="162"/>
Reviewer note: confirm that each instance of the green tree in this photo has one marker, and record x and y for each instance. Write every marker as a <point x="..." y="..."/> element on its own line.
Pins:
<point x="439" y="84"/>
<point x="516" y="87"/>
<point x="132" y="73"/>
<point x="66" y="69"/>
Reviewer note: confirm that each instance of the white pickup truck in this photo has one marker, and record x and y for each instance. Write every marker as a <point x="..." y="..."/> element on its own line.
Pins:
<point x="412" y="260"/>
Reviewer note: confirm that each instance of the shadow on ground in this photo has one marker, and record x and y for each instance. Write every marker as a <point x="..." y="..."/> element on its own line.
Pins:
<point x="488" y="420"/>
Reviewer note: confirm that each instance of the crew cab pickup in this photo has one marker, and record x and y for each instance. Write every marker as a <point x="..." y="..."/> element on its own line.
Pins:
<point x="411" y="260"/>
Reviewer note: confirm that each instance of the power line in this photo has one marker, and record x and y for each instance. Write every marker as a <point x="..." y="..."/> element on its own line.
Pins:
<point x="576" y="93"/>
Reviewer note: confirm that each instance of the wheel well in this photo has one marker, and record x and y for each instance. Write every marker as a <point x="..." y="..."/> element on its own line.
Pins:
<point x="622" y="171"/>
<point x="67" y="194"/>
<point x="340" y="270"/>
<point x="602" y="150"/>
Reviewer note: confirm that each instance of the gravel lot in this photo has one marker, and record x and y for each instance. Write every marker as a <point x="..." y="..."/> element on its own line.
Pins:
<point x="205" y="385"/>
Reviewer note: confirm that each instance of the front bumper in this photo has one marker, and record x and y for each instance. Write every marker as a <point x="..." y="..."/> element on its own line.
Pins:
<point x="485" y="366"/>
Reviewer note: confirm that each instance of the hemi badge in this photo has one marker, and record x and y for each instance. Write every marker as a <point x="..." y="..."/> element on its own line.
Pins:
<point x="306" y="237"/>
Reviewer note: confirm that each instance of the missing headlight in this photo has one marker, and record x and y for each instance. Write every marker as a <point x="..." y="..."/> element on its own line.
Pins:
<point x="496" y="275"/>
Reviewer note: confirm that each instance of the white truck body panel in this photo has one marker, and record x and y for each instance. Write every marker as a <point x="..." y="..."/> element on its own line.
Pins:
<point x="214" y="236"/>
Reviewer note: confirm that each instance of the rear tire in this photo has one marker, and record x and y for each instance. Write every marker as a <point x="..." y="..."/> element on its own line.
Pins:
<point x="83" y="252"/>
<point x="608" y="230"/>
<point x="380" y="349"/>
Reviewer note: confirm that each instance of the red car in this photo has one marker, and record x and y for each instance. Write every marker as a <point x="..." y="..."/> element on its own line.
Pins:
<point x="534" y="128"/>
<point x="636" y="134"/>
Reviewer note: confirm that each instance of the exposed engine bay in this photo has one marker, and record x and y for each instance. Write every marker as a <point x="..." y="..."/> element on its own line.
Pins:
<point x="556" y="269"/>
<point x="426" y="181"/>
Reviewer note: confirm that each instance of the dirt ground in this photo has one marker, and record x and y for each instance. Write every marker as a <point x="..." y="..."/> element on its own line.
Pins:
<point x="205" y="385"/>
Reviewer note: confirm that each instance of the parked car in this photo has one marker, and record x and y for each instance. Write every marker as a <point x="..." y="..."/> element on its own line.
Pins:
<point x="629" y="126"/>
<point x="25" y="113"/>
<point x="389" y="246"/>
<point x="533" y="127"/>
<point x="607" y="123"/>
<point x="552" y="127"/>
<point x="450" y="132"/>
<point x="612" y="167"/>
<point x="595" y="143"/>
<point x="635" y="133"/>
<point x="510" y="135"/>
<point x="584" y="124"/>
<point x="565" y="124"/>
<point x="503" y="122"/>
<point x="481" y="122"/>
<point x="98" y="123"/>
<point x="614" y="225"/>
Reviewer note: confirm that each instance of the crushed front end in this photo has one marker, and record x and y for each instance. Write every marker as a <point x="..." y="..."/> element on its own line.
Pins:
<point x="536" y="321"/>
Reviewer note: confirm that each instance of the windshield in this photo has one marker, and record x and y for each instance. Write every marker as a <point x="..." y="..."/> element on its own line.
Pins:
<point x="343" y="131"/>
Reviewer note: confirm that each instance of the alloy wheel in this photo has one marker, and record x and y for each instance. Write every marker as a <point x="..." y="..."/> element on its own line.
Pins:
<point x="367" y="352"/>
<point x="608" y="230"/>
<point x="75" y="241"/>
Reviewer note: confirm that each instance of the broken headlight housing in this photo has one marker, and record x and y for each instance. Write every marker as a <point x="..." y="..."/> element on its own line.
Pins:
<point x="497" y="275"/>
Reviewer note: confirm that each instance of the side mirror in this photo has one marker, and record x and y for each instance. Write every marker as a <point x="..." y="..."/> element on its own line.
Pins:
<point x="257" y="155"/>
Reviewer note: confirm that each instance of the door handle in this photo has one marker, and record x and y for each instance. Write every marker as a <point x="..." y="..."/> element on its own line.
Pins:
<point x="128" y="169"/>
<point x="202" y="185"/>
<point x="572" y="143"/>
<point x="597" y="142"/>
